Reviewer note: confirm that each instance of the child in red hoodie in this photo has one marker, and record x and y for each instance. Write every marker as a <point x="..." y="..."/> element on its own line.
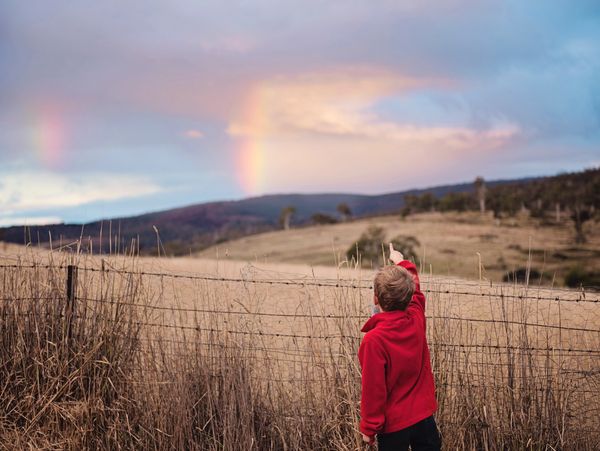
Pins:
<point x="398" y="393"/>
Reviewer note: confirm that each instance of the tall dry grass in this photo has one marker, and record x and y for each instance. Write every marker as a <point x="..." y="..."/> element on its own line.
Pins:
<point x="145" y="361"/>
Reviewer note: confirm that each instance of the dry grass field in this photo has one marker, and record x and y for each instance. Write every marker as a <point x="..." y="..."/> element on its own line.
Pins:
<point x="449" y="244"/>
<point x="215" y="354"/>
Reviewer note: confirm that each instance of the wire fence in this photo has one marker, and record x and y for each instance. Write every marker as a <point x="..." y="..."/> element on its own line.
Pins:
<point x="489" y="344"/>
<point x="169" y="304"/>
<point x="483" y="289"/>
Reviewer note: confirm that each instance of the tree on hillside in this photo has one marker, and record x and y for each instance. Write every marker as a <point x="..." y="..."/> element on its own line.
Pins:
<point x="427" y="202"/>
<point x="344" y="210"/>
<point x="457" y="202"/>
<point x="368" y="247"/>
<point x="538" y="208"/>
<point x="504" y="199"/>
<point x="579" y="217"/>
<point x="323" y="218"/>
<point x="480" y="191"/>
<point x="581" y="198"/>
<point x="411" y="205"/>
<point x="557" y="212"/>
<point x="552" y="196"/>
<point x="285" y="216"/>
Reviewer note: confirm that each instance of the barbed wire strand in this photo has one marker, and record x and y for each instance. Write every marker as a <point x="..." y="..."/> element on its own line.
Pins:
<point x="332" y="316"/>
<point x="581" y="295"/>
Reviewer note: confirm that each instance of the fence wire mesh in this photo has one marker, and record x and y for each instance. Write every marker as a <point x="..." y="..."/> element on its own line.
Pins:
<point x="492" y="345"/>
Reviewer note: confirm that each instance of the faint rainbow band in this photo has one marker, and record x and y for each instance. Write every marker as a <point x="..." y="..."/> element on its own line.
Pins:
<point x="250" y="154"/>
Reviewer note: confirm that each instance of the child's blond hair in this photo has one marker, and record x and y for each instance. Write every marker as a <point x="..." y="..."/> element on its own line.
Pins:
<point x="394" y="287"/>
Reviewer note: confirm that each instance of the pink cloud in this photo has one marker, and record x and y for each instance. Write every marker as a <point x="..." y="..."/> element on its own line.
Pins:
<point x="322" y="126"/>
<point x="194" y="134"/>
<point x="339" y="103"/>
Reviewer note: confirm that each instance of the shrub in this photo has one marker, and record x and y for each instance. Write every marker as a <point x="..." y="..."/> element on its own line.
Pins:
<point x="578" y="277"/>
<point x="323" y="218"/>
<point x="372" y="244"/>
<point x="406" y="244"/>
<point x="344" y="210"/>
<point x="519" y="275"/>
<point x="368" y="248"/>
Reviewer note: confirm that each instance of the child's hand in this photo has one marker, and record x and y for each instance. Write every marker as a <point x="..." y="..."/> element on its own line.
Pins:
<point x="395" y="256"/>
<point x="367" y="439"/>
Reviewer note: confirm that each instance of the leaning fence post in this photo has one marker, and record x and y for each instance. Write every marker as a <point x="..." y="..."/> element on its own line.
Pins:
<point x="71" y="296"/>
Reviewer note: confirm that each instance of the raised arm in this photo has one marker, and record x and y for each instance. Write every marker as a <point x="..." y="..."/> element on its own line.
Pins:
<point x="418" y="299"/>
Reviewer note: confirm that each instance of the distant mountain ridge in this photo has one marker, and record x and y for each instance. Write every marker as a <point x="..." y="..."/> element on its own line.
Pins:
<point x="194" y="227"/>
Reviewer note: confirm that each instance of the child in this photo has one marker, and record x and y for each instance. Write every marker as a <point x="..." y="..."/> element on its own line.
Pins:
<point x="398" y="394"/>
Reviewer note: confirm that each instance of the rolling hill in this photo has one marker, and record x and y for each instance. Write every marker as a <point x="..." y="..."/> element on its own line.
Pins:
<point x="450" y="244"/>
<point x="192" y="228"/>
<point x="195" y="227"/>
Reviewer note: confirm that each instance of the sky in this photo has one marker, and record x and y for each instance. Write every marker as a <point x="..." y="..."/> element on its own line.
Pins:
<point x="117" y="108"/>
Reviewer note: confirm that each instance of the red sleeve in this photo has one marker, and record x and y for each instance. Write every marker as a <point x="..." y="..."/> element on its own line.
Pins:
<point x="418" y="299"/>
<point x="374" y="390"/>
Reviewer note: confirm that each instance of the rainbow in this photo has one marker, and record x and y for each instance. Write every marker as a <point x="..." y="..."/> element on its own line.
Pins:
<point x="49" y="137"/>
<point x="250" y="154"/>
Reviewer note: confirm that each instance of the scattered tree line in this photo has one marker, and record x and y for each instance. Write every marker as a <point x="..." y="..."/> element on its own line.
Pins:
<point x="575" y="196"/>
<point x="343" y="209"/>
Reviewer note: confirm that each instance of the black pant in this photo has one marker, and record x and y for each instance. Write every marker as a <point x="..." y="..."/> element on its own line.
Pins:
<point x="422" y="436"/>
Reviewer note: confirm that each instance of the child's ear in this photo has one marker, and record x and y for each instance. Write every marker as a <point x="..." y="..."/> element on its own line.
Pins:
<point x="375" y="300"/>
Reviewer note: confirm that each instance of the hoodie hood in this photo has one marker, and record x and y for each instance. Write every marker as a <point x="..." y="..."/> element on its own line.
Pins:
<point x="383" y="317"/>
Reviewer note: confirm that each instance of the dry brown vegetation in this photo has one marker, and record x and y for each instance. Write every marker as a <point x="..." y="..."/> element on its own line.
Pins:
<point x="150" y="356"/>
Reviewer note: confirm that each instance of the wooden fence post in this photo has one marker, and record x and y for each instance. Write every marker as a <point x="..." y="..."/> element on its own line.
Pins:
<point x="71" y="297"/>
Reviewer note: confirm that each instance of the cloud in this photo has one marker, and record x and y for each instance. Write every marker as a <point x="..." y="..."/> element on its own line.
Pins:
<point x="338" y="163"/>
<point x="430" y="88"/>
<point x="331" y="129"/>
<point x="194" y="134"/>
<point x="29" y="220"/>
<point x="229" y="44"/>
<point x="28" y="191"/>
<point x="343" y="103"/>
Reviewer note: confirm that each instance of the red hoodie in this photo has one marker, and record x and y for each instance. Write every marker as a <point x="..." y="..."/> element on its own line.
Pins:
<point x="397" y="382"/>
